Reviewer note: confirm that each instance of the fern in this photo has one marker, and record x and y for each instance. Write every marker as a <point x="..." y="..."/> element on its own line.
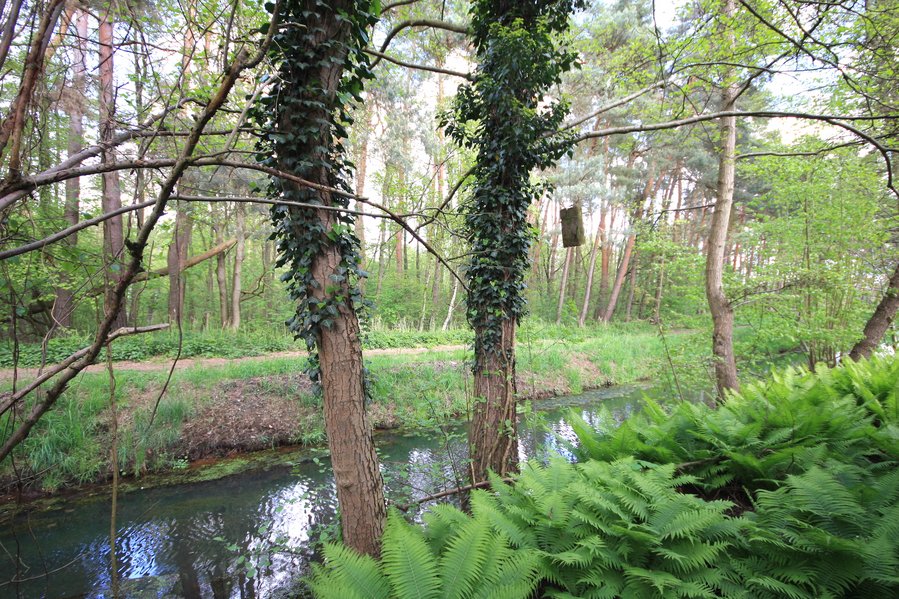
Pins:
<point x="789" y="490"/>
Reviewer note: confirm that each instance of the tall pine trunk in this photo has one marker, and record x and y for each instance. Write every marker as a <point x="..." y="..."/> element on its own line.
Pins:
<point x="111" y="198"/>
<point x="64" y="305"/>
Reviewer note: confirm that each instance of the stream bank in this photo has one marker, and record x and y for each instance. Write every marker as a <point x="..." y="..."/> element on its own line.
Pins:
<point x="246" y="406"/>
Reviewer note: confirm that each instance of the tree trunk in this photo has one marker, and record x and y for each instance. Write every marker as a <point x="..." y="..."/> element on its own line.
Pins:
<point x="880" y="320"/>
<point x="605" y="263"/>
<point x="492" y="436"/>
<point x="721" y="309"/>
<point x="221" y="272"/>
<point x="597" y="242"/>
<point x="361" y="172"/>
<point x="360" y="491"/>
<point x="177" y="255"/>
<point x="238" y="266"/>
<point x="563" y="285"/>
<point x="64" y="305"/>
<point x="657" y="312"/>
<point x="452" y="305"/>
<point x="632" y="288"/>
<point x="113" y="236"/>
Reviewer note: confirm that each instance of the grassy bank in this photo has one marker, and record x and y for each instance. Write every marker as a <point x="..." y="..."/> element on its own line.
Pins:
<point x="249" y="405"/>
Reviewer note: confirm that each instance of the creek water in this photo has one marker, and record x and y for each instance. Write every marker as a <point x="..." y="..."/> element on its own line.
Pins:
<point x="249" y="534"/>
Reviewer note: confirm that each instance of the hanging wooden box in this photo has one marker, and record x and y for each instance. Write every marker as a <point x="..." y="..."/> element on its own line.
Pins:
<point x="572" y="226"/>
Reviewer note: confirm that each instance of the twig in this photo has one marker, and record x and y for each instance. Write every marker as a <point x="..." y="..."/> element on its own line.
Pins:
<point x="484" y="483"/>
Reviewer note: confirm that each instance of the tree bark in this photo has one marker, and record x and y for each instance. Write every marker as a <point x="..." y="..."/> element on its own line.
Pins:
<point x="221" y="272"/>
<point x="628" y="248"/>
<point x="492" y="436"/>
<point x="452" y="305"/>
<point x="563" y="285"/>
<point x="177" y="255"/>
<point x="113" y="236"/>
<point x="12" y="128"/>
<point x="880" y="320"/>
<point x="632" y="288"/>
<point x="360" y="491"/>
<point x="720" y="307"/>
<point x="605" y="262"/>
<point x="597" y="242"/>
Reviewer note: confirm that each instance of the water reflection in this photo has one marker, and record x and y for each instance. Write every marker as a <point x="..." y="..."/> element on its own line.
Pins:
<point x="247" y="535"/>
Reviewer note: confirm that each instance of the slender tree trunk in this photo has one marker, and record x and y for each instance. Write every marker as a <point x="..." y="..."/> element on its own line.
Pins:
<point x="880" y="320"/>
<point x="628" y="249"/>
<point x="632" y="288"/>
<point x="361" y="173"/>
<point x="597" y="242"/>
<point x="177" y="255"/>
<point x="563" y="285"/>
<point x="605" y="263"/>
<point x="268" y="268"/>
<point x="64" y="305"/>
<point x="113" y="237"/>
<point x="452" y="305"/>
<point x="238" y="265"/>
<point x="657" y="312"/>
<point x="221" y="271"/>
<point x="720" y="307"/>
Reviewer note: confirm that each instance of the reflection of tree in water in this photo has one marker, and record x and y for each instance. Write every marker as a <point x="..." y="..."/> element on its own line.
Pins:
<point x="421" y="466"/>
<point x="188" y="540"/>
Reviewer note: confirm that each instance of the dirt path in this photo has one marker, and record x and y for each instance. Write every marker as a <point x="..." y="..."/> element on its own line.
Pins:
<point x="163" y="365"/>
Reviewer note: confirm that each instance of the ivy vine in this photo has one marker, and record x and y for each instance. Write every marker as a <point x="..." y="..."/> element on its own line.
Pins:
<point x="304" y="118"/>
<point x="502" y="115"/>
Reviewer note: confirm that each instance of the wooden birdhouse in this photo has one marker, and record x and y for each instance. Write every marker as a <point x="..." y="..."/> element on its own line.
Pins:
<point x="572" y="226"/>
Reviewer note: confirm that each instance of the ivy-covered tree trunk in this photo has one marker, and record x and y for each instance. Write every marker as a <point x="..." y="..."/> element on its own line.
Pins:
<point x="519" y="62"/>
<point x="321" y="65"/>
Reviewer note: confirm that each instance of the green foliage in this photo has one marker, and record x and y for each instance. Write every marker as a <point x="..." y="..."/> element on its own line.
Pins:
<point x="791" y="489"/>
<point x="455" y="556"/>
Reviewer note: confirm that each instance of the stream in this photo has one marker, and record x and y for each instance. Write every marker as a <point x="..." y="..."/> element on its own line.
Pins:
<point x="248" y="534"/>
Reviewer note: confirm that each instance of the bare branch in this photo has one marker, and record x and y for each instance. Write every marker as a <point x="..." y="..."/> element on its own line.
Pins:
<point x="419" y="67"/>
<point x="434" y="24"/>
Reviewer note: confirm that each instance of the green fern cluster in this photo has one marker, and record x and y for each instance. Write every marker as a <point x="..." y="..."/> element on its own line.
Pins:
<point x="454" y="556"/>
<point x="789" y="490"/>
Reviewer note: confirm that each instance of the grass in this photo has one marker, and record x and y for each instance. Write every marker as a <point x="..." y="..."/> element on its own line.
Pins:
<point x="70" y="445"/>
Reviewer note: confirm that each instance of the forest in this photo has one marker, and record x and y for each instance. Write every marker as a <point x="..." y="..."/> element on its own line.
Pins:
<point x="449" y="298"/>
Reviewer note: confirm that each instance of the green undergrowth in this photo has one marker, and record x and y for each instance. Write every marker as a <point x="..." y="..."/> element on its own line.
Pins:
<point x="70" y="445"/>
<point x="790" y="489"/>
<point x="228" y="344"/>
